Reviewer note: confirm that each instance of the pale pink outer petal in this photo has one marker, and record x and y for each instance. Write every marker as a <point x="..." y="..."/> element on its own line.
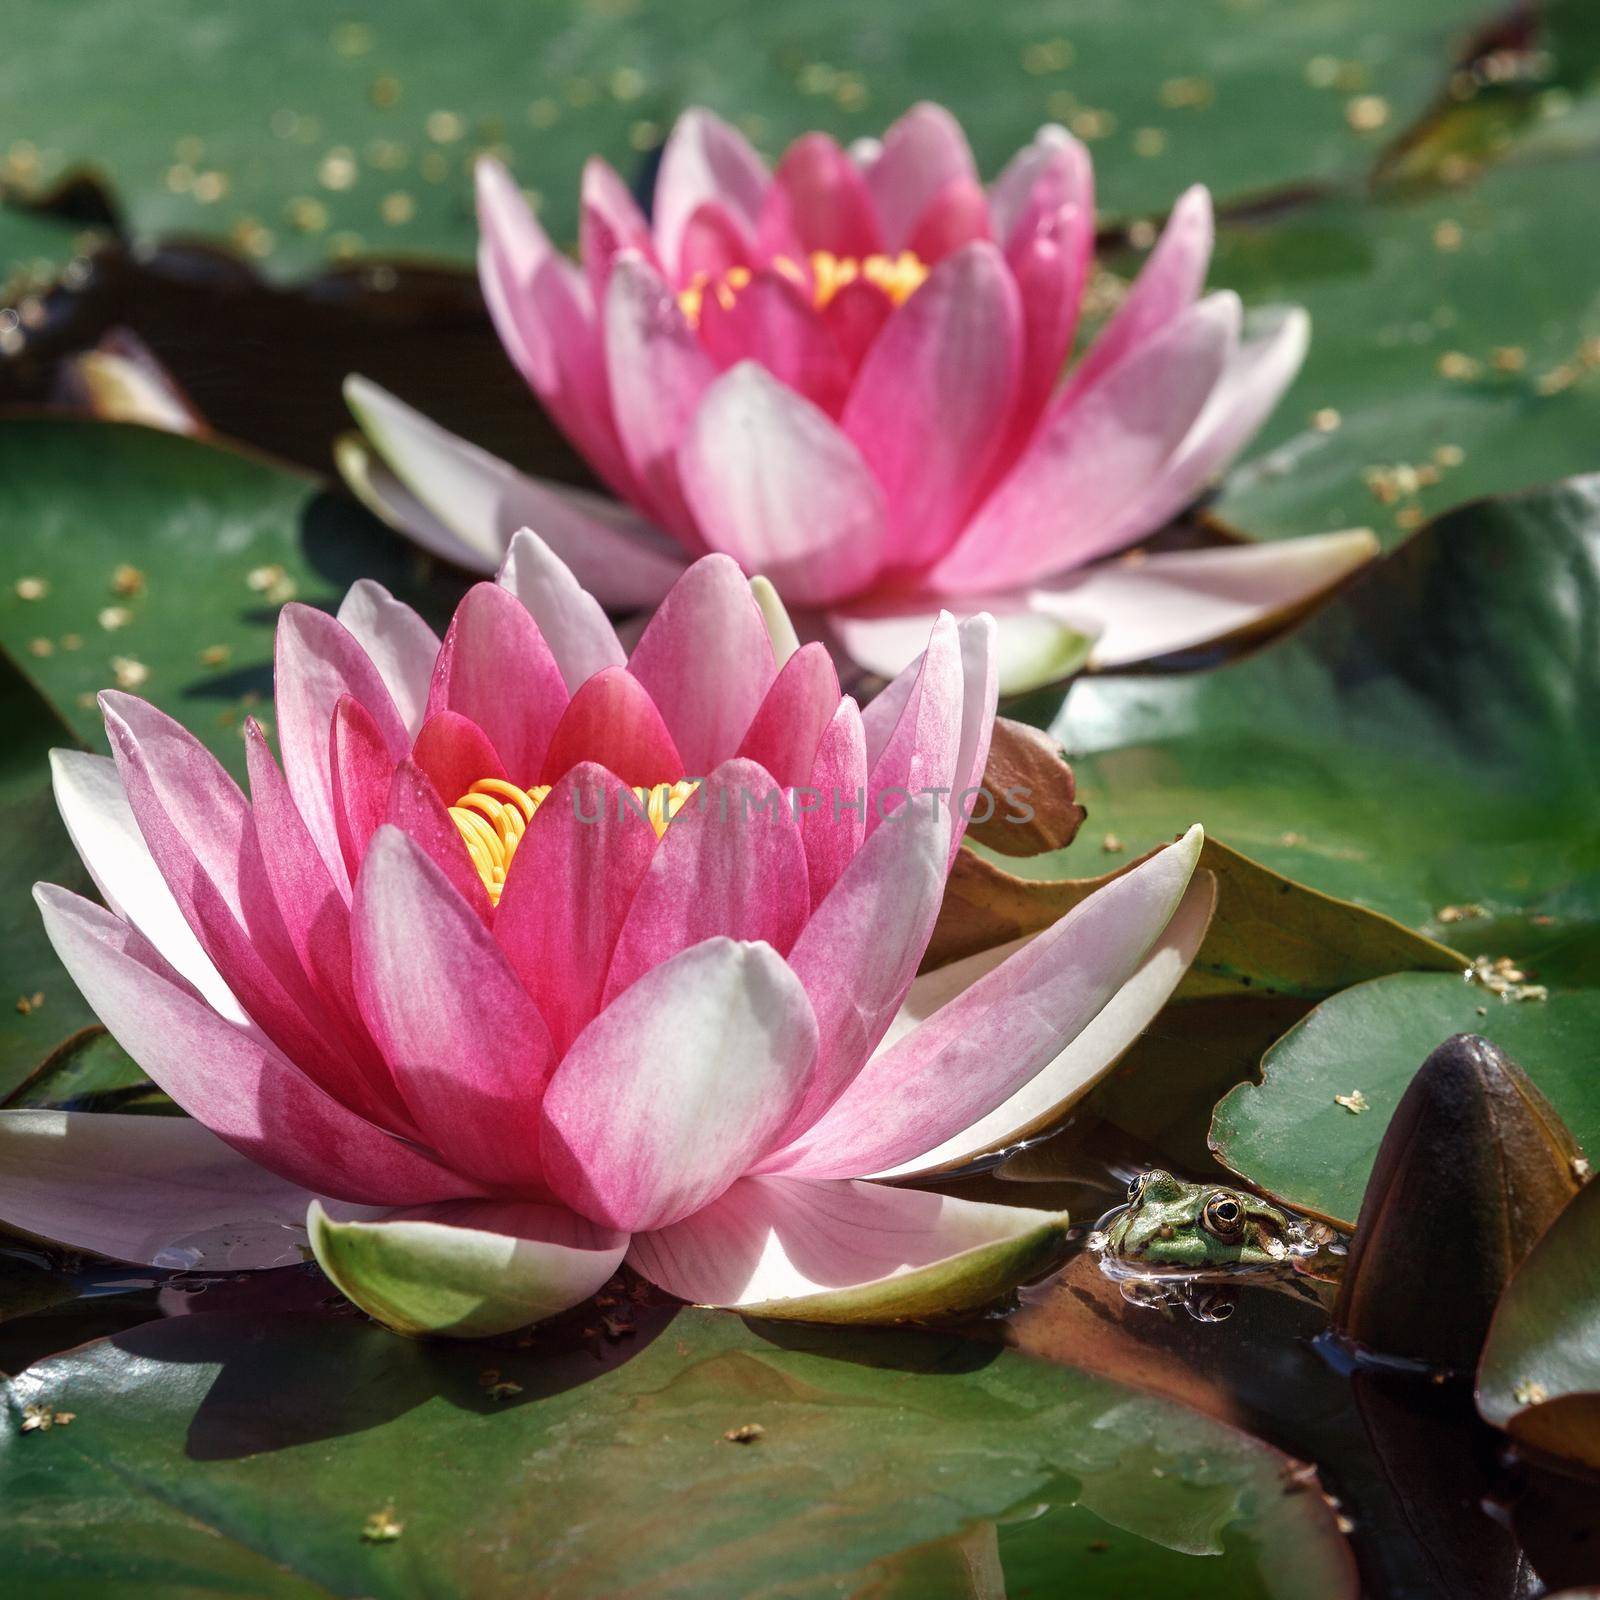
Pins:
<point x="731" y="864"/>
<point x="919" y="750"/>
<point x="1031" y="646"/>
<point x="786" y="731"/>
<point x="974" y="1054"/>
<point x="246" y="1093"/>
<point x="922" y="152"/>
<point x="858" y="954"/>
<point x="1051" y="266"/>
<point x="833" y="827"/>
<point x="496" y="669"/>
<point x="362" y="768"/>
<point x="317" y="660"/>
<point x="1086" y="1060"/>
<point x="1251" y="384"/>
<point x="769" y="1241"/>
<point x="704" y="159"/>
<point x="1182" y="599"/>
<point x="658" y="373"/>
<point x="573" y="622"/>
<point x="773" y="482"/>
<point x="397" y="641"/>
<point x="571" y="882"/>
<point x="514" y="249"/>
<point x="679" y="1085"/>
<point x="613" y="720"/>
<point x="931" y="402"/>
<point x="160" y="1191"/>
<point x="1167" y="285"/>
<point x="468" y="1050"/>
<point x="95" y="809"/>
<point x="1094" y="454"/>
<point x="610" y="222"/>
<point x="1053" y="170"/>
<point x="707" y="661"/>
<point x="374" y="483"/>
<point x="613" y="552"/>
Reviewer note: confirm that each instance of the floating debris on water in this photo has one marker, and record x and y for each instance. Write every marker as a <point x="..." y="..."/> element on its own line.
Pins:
<point x="745" y="1433"/>
<point x="382" y="1527"/>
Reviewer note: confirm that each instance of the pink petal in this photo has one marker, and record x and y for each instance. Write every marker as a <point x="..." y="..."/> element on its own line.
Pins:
<point x="786" y="731"/>
<point x="571" y="882"/>
<point x="496" y="670"/>
<point x="1168" y="284"/>
<point x="1094" y="455"/>
<point x="707" y="662"/>
<point x="398" y="643"/>
<point x="730" y="863"/>
<point x="1052" y="172"/>
<point x="832" y="829"/>
<point x="860" y="950"/>
<point x="468" y="1050"/>
<point x="1251" y="384"/>
<point x="922" y="152"/>
<point x="713" y="242"/>
<point x="916" y="752"/>
<point x="678" y="1085"/>
<point x="455" y="753"/>
<point x="613" y="721"/>
<point x="855" y="316"/>
<point x="975" y="1053"/>
<point x="514" y="249"/>
<point x="243" y="1091"/>
<point x="931" y="401"/>
<point x="610" y="222"/>
<point x="417" y="811"/>
<point x="658" y="372"/>
<point x="97" y="815"/>
<point x="1050" y="266"/>
<point x="1045" y="1098"/>
<point x="160" y="1191"/>
<point x="362" y="768"/>
<point x="775" y="484"/>
<point x="704" y="160"/>
<point x="318" y="659"/>
<point x="220" y="882"/>
<point x="771" y="320"/>
<point x="819" y="201"/>
<point x="846" y="1252"/>
<point x="571" y="619"/>
<point x="317" y="919"/>
<point x="615" y="554"/>
<point x="1182" y="599"/>
<point x="958" y="215"/>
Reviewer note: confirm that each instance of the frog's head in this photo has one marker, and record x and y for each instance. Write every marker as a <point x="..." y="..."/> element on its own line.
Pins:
<point x="1169" y="1226"/>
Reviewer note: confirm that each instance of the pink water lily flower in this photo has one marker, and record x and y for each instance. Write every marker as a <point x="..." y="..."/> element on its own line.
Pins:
<point x="536" y="954"/>
<point x="848" y="375"/>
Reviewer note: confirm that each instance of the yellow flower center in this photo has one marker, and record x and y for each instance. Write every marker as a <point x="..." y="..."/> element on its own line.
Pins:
<point x="898" y="276"/>
<point x="493" y="815"/>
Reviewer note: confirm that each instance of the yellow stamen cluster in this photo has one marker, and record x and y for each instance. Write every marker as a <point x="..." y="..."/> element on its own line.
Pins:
<point x="899" y="277"/>
<point x="493" y="815"/>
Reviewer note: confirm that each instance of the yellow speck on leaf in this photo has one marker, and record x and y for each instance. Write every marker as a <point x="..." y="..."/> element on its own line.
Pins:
<point x="1355" y="1102"/>
<point x="382" y="1527"/>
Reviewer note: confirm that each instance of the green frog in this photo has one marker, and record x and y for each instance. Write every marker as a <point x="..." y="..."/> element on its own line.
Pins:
<point x="1173" y="1238"/>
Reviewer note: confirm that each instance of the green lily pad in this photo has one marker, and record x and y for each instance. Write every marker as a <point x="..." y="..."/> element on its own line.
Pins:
<point x="218" y="1451"/>
<point x="1290" y="1136"/>
<point x="90" y="1072"/>
<point x="1540" y="1373"/>
<point x="1429" y="380"/>
<point x="142" y="560"/>
<point x="40" y="1009"/>
<point x="1427" y="745"/>
<point x="354" y="133"/>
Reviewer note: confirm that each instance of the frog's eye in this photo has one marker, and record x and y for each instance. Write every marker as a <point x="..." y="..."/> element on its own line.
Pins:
<point x="1224" y="1216"/>
<point x="1136" y="1185"/>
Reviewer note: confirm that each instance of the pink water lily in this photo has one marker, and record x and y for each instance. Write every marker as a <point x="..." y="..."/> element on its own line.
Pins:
<point x="535" y="954"/>
<point x="848" y="375"/>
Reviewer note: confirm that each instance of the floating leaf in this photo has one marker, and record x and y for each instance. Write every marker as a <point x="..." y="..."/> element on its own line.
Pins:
<point x="1289" y="1136"/>
<point x="275" y="1440"/>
